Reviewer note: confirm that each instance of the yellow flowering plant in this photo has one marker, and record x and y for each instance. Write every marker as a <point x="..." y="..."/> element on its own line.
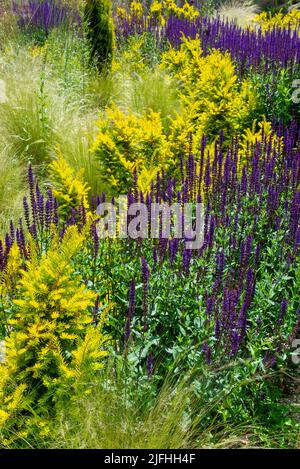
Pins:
<point x="187" y="10"/>
<point x="121" y="12"/>
<point x="131" y="60"/>
<point x="8" y="280"/>
<point x="156" y="11"/>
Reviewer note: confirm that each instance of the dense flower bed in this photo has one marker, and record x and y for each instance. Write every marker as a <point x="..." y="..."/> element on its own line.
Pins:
<point x="44" y="15"/>
<point x="248" y="48"/>
<point x="73" y="302"/>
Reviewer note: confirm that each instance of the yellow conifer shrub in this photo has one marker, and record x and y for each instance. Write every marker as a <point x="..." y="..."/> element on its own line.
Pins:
<point x="210" y="91"/>
<point x="52" y="347"/>
<point x="136" y="9"/>
<point x="212" y="100"/>
<point x="8" y="279"/>
<point x="69" y="187"/>
<point x="262" y="134"/>
<point x="267" y="21"/>
<point x="126" y="142"/>
<point x="158" y="9"/>
<point x="9" y="275"/>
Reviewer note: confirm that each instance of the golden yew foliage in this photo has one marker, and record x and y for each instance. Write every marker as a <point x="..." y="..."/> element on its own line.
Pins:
<point x="160" y="10"/>
<point x="127" y="142"/>
<point x="210" y="91"/>
<point x="267" y="21"/>
<point x="132" y="57"/>
<point x="69" y="187"/>
<point x="261" y="133"/>
<point x="52" y="347"/>
<point x="10" y="274"/>
<point x="212" y="99"/>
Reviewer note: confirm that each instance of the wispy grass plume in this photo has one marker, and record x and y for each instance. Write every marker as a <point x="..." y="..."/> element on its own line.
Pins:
<point x="239" y="12"/>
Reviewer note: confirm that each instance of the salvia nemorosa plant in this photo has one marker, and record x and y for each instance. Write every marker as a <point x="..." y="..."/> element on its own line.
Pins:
<point x="43" y="16"/>
<point x="240" y="286"/>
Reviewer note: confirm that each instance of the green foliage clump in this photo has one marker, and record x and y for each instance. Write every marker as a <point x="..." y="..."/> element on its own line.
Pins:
<point x="275" y="96"/>
<point x="99" y="31"/>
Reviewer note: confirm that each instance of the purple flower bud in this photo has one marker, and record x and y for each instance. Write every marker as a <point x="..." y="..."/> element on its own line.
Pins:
<point x="207" y="353"/>
<point x="33" y="231"/>
<point x="131" y="310"/>
<point x="186" y="260"/>
<point x="48" y="215"/>
<point x="173" y="246"/>
<point x="217" y="328"/>
<point x="220" y="264"/>
<point x="40" y="200"/>
<point x="21" y="240"/>
<point x="211" y="231"/>
<point x="145" y="280"/>
<point x="12" y="231"/>
<point x="244" y="181"/>
<point x="26" y="212"/>
<point x="145" y="271"/>
<point x="30" y="179"/>
<point x="207" y="179"/>
<point x="95" y="241"/>
<point x="96" y="310"/>
<point x="283" y="309"/>
<point x="149" y="365"/>
<point x="55" y="212"/>
<point x="63" y="232"/>
<point x="235" y="340"/>
<point x="209" y="306"/>
<point x="257" y="254"/>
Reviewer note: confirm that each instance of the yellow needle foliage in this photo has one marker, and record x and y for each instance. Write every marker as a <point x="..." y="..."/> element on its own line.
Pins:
<point x="125" y="142"/>
<point x="52" y="348"/>
<point x="268" y="21"/>
<point x="69" y="188"/>
<point x="159" y="9"/>
<point x="210" y="91"/>
<point x="261" y="133"/>
<point x="212" y="99"/>
<point x="9" y="275"/>
<point x="136" y="9"/>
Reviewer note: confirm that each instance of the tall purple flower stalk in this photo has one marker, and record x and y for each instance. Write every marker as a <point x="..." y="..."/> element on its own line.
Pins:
<point x="131" y="310"/>
<point x="249" y="48"/>
<point x="145" y="281"/>
<point x="44" y="15"/>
